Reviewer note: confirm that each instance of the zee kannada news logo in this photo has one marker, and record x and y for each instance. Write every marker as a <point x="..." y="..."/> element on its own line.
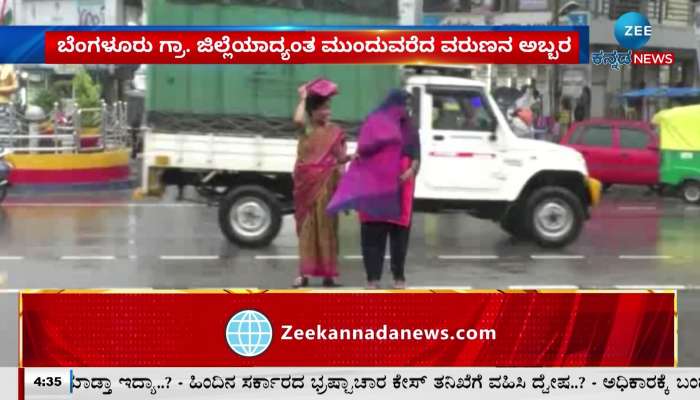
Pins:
<point x="632" y="31"/>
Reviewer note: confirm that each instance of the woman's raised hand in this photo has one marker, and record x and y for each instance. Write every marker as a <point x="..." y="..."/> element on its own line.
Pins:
<point x="302" y="91"/>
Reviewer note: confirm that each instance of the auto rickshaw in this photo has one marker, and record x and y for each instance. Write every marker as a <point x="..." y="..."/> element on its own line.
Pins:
<point x="679" y="133"/>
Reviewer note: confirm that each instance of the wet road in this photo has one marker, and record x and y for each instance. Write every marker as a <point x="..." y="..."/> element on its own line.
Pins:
<point x="107" y="240"/>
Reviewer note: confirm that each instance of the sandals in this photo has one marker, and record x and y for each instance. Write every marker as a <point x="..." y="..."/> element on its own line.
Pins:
<point x="300" y="281"/>
<point x="330" y="283"/>
<point x="400" y="284"/>
<point x="303" y="281"/>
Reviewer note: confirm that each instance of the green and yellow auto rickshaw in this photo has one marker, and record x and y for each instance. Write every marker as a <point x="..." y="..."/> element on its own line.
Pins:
<point x="679" y="134"/>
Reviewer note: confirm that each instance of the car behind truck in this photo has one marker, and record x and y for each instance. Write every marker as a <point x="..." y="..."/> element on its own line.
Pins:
<point x="471" y="161"/>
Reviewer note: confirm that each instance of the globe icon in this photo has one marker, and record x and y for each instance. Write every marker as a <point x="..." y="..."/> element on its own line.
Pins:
<point x="249" y="333"/>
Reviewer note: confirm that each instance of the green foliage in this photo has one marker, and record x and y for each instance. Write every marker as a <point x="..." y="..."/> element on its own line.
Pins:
<point x="87" y="95"/>
<point x="87" y="92"/>
<point x="46" y="98"/>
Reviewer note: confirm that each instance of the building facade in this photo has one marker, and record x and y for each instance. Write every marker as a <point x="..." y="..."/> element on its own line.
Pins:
<point x="77" y="12"/>
<point x="674" y="28"/>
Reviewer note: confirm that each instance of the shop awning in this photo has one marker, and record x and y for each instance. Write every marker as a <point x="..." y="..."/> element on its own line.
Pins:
<point x="663" y="92"/>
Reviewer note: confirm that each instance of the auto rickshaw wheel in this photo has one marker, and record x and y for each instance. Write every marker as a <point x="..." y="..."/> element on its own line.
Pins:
<point x="691" y="192"/>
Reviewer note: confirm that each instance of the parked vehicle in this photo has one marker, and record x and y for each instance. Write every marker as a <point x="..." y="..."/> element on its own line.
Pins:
<point x="617" y="151"/>
<point x="680" y="150"/>
<point x="5" y="169"/>
<point x="471" y="161"/>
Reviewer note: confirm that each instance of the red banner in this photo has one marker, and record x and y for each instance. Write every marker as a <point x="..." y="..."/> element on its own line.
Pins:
<point x="348" y="329"/>
<point x="313" y="47"/>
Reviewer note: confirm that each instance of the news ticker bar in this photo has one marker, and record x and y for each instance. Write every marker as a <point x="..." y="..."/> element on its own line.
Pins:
<point x="295" y="45"/>
<point x="360" y="383"/>
<point x="351" y="329"/>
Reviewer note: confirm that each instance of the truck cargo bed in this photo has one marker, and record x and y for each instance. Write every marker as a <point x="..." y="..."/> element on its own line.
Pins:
<point x="233" y="152"/>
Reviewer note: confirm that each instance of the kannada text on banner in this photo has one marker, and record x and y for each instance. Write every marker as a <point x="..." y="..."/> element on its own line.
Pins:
<point x="272" y="329"/>
<point x="295" y="45"/>
<point x="347" y="47"/>
<point x="361" y="383"/>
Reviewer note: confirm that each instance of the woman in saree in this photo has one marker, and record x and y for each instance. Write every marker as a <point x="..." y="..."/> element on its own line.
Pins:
<point x="380" y="185"/>
<point x="321" y="153"/>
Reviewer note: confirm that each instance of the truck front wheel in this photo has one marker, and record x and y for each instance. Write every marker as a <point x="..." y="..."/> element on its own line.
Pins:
<point x="250" y="216"/>
<point x="691" y="192"/>
<point x="513" y="223"/>
<point x="554" y="216"/>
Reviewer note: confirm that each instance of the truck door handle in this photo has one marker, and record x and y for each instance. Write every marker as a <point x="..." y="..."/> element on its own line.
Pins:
<point x="438" y="137"/>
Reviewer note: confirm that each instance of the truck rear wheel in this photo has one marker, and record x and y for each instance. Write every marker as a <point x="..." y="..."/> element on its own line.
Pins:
<point x="691" y="192"/>
<point x="554" y="216"/>
<point x="250" y="216"/>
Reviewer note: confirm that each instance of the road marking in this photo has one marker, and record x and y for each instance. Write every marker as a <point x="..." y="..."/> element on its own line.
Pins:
<point x="543" y="287"/>
<point x="11" y="258"/>
<point x="637" y="208"/>
<point x="88" y="258"/>
<point x="278" y="257"/>
<point x="557" y="257"/>
<point x="644" y="257"/>
<point x="189" y="258"/>
<point x="99" y="205"/>
<point x="650" y="287"/>
<point x="469" y="257"/>
<point x="359" y="257"/>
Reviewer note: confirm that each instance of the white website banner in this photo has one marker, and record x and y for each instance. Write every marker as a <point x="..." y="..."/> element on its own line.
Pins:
<point x="362" y="383"/>
<point x="8" y="383"/>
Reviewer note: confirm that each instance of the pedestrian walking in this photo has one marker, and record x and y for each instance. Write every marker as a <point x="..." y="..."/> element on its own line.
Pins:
<point x="522" y="123"/>
<point x="8" y="84"/>
<point x="564" y="117"/>
<point x="579" y="111"/>
<point x="8" y="87"/>
<point x="321" y="153"/>
<point x="380" y="185"/>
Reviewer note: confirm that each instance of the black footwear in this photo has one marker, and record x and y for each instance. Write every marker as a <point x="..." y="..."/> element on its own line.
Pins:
<point x="301" y="281"/>
<point x="330" y="282"/>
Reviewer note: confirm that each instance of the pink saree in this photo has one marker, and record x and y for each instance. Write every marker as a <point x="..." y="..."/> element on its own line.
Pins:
<point x="316" y="176"/>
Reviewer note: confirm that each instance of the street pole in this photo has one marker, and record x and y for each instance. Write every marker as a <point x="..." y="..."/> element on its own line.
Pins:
<point x="554" y="108"/>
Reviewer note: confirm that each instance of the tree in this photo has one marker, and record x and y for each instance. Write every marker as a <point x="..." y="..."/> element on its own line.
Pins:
<point x="87" y="94"/>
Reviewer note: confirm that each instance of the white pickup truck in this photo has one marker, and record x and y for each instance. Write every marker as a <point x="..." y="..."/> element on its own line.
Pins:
<point x="471" y="161"/>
